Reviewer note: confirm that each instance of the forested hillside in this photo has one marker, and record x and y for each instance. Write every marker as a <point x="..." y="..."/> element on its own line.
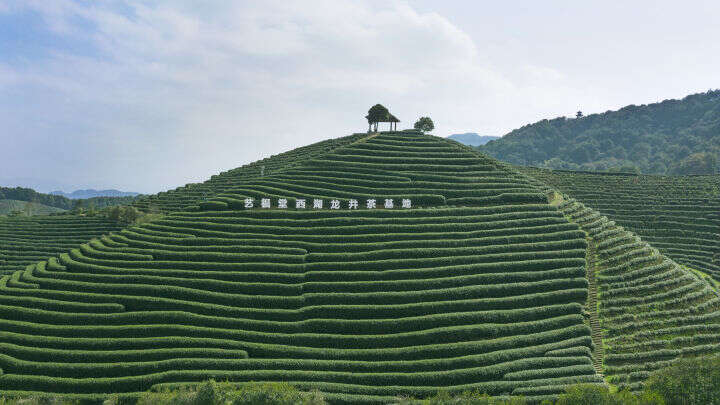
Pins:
<point x="671" y="137"/>
<point x="28" y="194"/>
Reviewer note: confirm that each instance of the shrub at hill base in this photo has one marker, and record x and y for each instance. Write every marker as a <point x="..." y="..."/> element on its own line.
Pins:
<point x="688" y="381"/>
<point x="580" y="394"/>
<point x="213" y="393"/>
<point x="595" y="394"/>
<point x="466" y="398"/>
<point x="206" y="393"/>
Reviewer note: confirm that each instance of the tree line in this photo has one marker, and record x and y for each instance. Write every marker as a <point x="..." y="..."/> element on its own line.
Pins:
<point x="379" y="113"/>
<point x="58" y="201"/>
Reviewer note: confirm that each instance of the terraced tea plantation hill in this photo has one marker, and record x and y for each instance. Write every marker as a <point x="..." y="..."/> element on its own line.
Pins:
<point x="27" y="240"/>
<point x="194" y="193"/>
<point x="22" y="241"/>
<point x="427" y="170"/>
<point x="679" y="215"/>
<point x="481" y="285"/>
<point x="651" y="310"/>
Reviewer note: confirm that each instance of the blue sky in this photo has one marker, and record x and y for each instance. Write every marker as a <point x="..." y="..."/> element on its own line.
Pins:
<point x="147" y="96"/>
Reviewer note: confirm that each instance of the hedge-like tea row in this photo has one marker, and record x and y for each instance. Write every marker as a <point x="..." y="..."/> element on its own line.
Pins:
<point x="679" y="215"/>
<point x="27" y="240"/>
<point x="652" y="310"/>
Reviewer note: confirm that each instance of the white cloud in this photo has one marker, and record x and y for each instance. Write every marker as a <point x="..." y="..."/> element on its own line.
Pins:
<point x="175" y="92"/>
<point x="541" y="73"/>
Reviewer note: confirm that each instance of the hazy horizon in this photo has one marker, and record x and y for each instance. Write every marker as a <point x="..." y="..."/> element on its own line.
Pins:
<point x="147" y="96"/>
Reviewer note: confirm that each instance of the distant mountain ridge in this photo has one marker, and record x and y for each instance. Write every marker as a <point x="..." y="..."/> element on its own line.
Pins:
<point x="472" y="138"/>
<point x="670" y="137"/>
<point x="90" y="193"/>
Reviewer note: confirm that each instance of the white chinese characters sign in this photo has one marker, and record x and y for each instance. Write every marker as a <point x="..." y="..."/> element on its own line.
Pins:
<point x="334" y="204"/>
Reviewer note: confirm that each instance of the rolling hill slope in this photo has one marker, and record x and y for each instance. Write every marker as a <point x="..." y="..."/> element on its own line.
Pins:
<point x="650" y="309"/>
<point x="174" y="200"/>
<point x="679" y="215"/>
<point x="481" y="285"/>
<point x="22" y="242"/>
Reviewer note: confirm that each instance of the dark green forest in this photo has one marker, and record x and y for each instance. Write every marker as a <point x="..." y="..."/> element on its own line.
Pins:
<point x="670" y="137"/>
<point x="28" y="194"/>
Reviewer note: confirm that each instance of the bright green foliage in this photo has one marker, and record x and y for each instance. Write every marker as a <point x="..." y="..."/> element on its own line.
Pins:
<point x="212" y="393"/>
<point x="656" y="138"/>
<point x="680" y="216"/>
<point x="691" y="381"/>
<point x="597" y="394"/>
